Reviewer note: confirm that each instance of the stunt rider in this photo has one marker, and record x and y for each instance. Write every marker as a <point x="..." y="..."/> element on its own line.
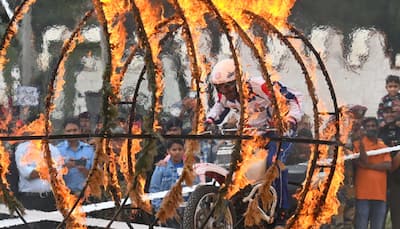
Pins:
<point x="260" y="112"/>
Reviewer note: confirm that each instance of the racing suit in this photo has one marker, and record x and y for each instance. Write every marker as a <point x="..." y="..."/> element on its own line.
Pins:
<point x="260" y="112"/>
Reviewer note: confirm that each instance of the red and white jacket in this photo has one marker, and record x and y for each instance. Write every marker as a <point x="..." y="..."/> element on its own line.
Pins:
<point x="260" y="108"/>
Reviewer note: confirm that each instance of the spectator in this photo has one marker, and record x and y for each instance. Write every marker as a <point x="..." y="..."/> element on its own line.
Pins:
<point x="164" y="177"/>
<point x="392" y="97"/>
<point x="172" y="127"/>
<point x="34" y="191"/>
<point x="345" y="217"/>
<point x="390" y="134"/>
<point x="123" y="123"/>
<point x="99" y="124"/>
<point x="394" y="184"/>
<point x="208" y="147"/>
<point x="186" y="115"/>
<point x="84" y="122"/>
<point x="78" y="156"/>
<point x="370" y="179"/>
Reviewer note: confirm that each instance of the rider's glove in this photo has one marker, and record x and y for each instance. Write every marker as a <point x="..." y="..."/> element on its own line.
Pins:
<point x="209" y="121"/>
<point x="210" y="125"/>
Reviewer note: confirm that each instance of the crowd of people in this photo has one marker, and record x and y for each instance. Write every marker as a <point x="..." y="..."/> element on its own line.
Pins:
<point x="370" y="191"/>
<point x="371" y="186"/>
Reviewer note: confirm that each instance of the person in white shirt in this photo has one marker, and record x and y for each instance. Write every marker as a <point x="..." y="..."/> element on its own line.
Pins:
<point x="35" y="192"/>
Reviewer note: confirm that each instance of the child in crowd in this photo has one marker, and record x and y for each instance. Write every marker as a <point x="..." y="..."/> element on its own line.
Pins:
<point x="164" y="177"/>
<point x="392" y="98"/>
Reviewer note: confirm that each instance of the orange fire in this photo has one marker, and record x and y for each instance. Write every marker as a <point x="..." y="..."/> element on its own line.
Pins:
<point x="115" y="12"/>
<point x="4" y="164"/>
<point x="276" y="12"/>
<point x="36" y="153"/>
<point x="123" y="157"/>
<point x="12" y="30"/>
<point x="61" y="70"/>
<point x="252" y="153"/>
<point x="111" y="171"/>
<point x="330" y="207"/>
<point x="151" y="15"/>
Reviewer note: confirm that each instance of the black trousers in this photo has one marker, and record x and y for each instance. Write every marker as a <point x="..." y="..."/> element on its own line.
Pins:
<point x="394" y="204"/>
<point x="43" y="202"/>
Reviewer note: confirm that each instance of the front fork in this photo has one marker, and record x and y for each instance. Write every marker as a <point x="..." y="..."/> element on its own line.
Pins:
<point x="266" y="214"/>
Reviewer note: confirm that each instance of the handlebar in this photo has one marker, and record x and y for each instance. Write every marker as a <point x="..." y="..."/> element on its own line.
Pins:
<point x="223" y="131"/>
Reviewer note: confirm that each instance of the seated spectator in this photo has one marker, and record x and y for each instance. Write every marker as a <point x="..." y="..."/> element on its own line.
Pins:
<point x="35" y="192"/>
<point x="78" y="156"/>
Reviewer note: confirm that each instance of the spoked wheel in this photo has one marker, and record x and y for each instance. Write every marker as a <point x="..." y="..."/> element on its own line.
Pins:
<point x="200" y="204"/>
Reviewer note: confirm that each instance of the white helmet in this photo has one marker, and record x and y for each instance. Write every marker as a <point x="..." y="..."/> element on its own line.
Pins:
<point x="223" y="72"/>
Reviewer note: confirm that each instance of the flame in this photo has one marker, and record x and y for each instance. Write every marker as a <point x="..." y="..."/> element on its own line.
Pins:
<point x="331" y="205"/>
<point x="110" y="168"/>
<point x="275" y="11"/>
<point x="4" y="164"/>
<point x="13" y="29"/>
<point x="194" y="13"/>
<point x="36" y="153"/>
<point x="136" y="195"/>
<point x="137" y="200"/>
<point x="252" y="152"/>
<point x="115" y="12"/>
<point x="61" y="70"/>
<point x="195" y="10"/>
<point x="206" y="69"/>
<point x="151" y="15"/>
<point x="34" y="128"/>
<point x="123" y="158"/>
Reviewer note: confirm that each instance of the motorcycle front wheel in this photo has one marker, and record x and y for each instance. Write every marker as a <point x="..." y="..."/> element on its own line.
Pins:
<point x="199" y="206"/>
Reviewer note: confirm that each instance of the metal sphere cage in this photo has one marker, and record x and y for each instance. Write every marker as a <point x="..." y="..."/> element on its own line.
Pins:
<point x="144" y="46"/>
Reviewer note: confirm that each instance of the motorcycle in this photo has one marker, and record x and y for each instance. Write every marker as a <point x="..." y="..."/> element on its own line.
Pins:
<point x="199" y="211"/>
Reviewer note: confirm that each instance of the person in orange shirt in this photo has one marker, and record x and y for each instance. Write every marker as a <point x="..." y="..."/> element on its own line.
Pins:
<point x="370" y="179"/>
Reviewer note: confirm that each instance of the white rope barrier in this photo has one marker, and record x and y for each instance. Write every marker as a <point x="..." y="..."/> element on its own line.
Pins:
<point x="34" y="216"/>
<point x="328" y="161"/>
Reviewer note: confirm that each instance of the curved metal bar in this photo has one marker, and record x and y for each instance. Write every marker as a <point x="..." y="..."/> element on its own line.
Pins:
<point x="264" y="70"/>
<point x="235" y="156"/>
<point x="12" y="28"/>
<point x="311" y="91"/>
<point x="132" y="116"/>
<point x="192" y="58"/>
<point x="129" y="145"/>
<point x="336" y="113"/>
<point x="67" y="47"/>
<point x="106" y="80"/>
<point x="9" y="34"/>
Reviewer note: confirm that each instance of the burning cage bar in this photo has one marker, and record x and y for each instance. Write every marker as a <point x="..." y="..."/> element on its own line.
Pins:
<point x="230" y="22"/>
